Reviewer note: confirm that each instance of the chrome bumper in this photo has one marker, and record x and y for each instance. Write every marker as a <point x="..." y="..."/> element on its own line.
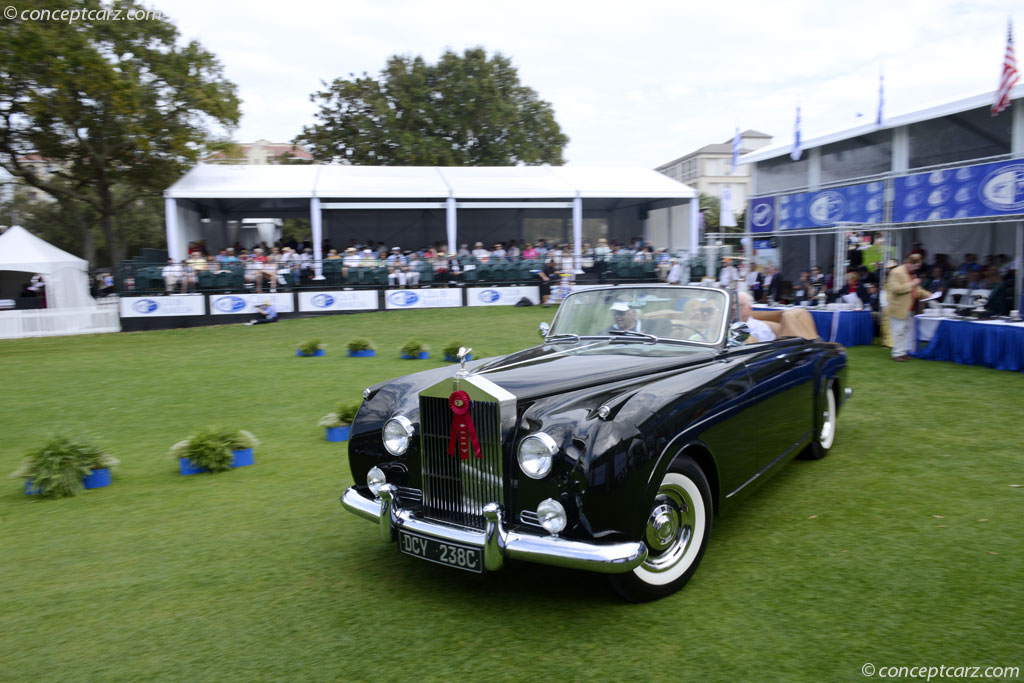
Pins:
<point x="496" y="540"/>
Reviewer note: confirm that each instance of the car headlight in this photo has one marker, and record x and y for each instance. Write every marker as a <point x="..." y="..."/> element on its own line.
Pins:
<point x="375" y="479"/>
<point x="397" y="434"/>
<point x="536" y="453"/>
<point x="551" y="515"/>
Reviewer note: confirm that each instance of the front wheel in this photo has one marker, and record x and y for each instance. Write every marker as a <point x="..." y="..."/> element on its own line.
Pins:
<point x="676" y="535"/>
<point x="825" y="426"/>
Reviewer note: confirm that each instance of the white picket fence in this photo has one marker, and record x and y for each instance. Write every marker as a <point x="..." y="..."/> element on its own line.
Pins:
<point x="56" y="322"/>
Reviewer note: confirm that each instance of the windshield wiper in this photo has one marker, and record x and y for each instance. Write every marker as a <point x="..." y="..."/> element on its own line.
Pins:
<point x="564" y="336"/>
<point x="642" y="335"/>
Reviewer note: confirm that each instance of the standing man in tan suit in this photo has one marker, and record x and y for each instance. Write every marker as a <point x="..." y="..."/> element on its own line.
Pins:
<point x="902" y="287"/>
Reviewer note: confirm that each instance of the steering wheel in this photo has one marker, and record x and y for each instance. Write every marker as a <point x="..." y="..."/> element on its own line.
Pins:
<point x="693" y="329"/>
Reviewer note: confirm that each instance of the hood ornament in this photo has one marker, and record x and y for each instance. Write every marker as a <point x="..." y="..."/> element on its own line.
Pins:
<point x="463" y="355"/>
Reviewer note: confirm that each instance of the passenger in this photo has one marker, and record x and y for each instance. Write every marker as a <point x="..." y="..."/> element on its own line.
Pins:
<point x="758" y="328"/>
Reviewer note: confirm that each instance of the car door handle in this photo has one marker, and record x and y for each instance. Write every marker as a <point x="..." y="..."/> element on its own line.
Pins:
<point x="785" y="357"/>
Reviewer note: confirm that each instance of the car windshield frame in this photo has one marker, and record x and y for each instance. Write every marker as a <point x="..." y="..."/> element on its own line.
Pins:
<point x="651" y="303"/>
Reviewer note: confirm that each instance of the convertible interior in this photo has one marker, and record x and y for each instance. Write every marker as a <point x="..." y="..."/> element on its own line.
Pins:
<point x="792" y="322"/>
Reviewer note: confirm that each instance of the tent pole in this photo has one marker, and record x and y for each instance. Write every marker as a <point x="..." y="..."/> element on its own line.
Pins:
<point x="451" y="225"/>
<point x="1018" y="297"/>
<point x="171" y="226"/>
<point x="577" y="232"/>
<point x="315" y="217"/>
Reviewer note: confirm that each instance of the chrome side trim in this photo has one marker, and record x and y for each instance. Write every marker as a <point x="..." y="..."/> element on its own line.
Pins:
<point x="497" y="542"/>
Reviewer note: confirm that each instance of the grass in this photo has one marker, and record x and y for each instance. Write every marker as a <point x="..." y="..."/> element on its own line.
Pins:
<point x="902" y="547"/>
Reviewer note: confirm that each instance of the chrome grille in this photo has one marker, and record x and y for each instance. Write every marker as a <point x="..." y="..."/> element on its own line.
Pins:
<point x="454" y="490"/>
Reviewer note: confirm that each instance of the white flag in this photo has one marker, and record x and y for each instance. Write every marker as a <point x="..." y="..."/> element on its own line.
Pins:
<point x="726" y="218"/>
<point x="798" y="147"/>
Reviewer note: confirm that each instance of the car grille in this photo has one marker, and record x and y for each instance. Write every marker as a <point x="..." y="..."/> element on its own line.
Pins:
<point x="455" y="491"/>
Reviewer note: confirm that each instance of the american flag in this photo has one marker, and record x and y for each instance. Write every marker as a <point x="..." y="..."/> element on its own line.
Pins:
<point x="1009" y="77"/>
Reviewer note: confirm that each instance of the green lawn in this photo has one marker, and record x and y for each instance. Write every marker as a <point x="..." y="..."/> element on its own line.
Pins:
<point x="903" y="547"/>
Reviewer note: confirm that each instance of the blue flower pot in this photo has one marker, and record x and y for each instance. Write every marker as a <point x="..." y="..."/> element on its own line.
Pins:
<point x="30" y="489"/>
<point x="98" y="479"/>
<point x="318" y="352"/>
<point x="422" y="355"/>
<point x="365" y="353"/>
<point x="185" y="466"/>
<point x="455" y="359"/>
<point x="242" y="458"/>
<point x="337" y="433"/>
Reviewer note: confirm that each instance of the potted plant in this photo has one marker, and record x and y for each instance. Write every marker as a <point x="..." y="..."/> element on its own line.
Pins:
<point x="62" y="467"/>
<point x="338" y="422"/>
<point x="360" y="347"/>
<point x="414" y="349"/>
<point x="214" y="449"/>
<point x="313" y="347"/>
<point x="451" y="352"/>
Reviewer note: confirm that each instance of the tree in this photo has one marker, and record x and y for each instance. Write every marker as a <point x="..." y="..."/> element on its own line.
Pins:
<point x="466" y="110"/>
<point x="117" y="109"/>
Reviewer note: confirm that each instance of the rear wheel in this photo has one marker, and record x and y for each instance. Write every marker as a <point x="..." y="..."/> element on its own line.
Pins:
<point x="676" y="535"/>
<point x="824" y="425"/>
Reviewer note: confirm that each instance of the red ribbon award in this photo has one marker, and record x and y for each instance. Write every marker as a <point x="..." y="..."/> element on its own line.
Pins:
<point x="463" y="430"/>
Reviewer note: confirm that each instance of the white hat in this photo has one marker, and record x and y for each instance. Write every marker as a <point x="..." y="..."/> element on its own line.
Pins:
<point x="619" y="306"/>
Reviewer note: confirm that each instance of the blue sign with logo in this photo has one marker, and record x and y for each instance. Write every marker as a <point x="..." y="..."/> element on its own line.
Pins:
<point x="971" y="191"/>
<point x="145" y="306"/>
<point x="229" y="304"/>
<point x="489" y="296"/>
<point x="762" y="214"/>
<point x="851" y="204"/>
<point x="322" y="300"/>
<point x="403" y="297"/>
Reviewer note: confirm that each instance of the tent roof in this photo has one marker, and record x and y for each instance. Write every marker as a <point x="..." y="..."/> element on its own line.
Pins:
<point x="21" y="250"/>
<point x="926" y="114"/>
<point x="209" y="181"/>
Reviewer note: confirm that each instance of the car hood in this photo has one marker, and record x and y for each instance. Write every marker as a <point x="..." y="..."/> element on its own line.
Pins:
<point x="553" y="369"/>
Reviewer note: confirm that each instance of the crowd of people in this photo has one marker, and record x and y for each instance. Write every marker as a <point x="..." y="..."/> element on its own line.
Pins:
<point x="290" y="263"/>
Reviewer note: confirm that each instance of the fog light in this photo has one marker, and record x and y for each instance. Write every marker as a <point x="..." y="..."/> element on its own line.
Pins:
<point x="375" y="479"/>
<point x="551" y="515"/>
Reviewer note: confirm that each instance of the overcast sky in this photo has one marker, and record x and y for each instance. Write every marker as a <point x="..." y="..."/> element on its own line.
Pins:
<point x="634" y="83"/>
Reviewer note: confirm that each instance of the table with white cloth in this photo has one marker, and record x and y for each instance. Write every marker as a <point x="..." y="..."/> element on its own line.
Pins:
<point x="995" y="344"/>
<point x="847" y="327"/>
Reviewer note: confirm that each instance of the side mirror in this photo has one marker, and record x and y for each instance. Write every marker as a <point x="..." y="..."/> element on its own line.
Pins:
<point x="738" y="333"/>
<point x="544" y="328"/>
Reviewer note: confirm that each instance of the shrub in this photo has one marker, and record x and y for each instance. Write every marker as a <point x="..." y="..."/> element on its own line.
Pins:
<point x="211" y="448"/>
<point x="342" y="415"/>
<point x="58" y="466"/>
<point x="360" y="344"/>
<point x="413" y="347"/>
<point x="310" y="347"/>
<point x="452" y="348"/>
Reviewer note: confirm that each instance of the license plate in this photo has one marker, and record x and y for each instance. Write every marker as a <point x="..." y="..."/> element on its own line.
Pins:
<point x="455" y="555"/>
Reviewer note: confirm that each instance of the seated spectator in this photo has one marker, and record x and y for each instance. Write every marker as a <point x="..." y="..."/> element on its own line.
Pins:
<point x="174" y="274"/>
<point x="499" y="253"/>
<point x="333" y="255"/>
<point x="266" y="312"/>
<point x="229" y="256"/>
<point x="970" y="264"/>
<point x="481" y="254"/>
<point x="513" y="251"/>
<point x="937" y="282"/>
<point x="529" y="253"/>
<point x="992" y="277"/>
<point x="817" y="281"/>
<point x="803" y="290"/>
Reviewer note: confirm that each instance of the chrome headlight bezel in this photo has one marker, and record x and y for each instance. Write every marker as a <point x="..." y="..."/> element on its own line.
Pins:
<point x="401" y="436"/>
<point x="375" y="478"/>
<point x="552" y="516"/>
<point x="536" y="455"/>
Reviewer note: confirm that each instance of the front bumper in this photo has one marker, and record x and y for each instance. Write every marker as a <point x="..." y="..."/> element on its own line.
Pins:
<point x="497" y="541"/>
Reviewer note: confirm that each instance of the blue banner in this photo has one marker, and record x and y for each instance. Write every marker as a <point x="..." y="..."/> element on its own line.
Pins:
<point x="762" y="214"/>
<point x="851" y="204"/>
<point x="995" y="189"/>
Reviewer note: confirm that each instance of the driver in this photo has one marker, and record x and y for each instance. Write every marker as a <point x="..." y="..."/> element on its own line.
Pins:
<point x="624" y="318"/>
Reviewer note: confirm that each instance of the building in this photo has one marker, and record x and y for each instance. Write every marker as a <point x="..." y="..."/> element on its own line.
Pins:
<point x="707" y="170"/>
<point x="949" y="176"/>
<point x="263" y="152"/>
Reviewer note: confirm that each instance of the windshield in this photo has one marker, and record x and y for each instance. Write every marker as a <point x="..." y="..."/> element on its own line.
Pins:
<point x="691" y="314"/>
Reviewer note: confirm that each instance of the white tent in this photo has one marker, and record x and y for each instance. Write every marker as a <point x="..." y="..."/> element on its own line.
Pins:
<point x="66" y="275"/>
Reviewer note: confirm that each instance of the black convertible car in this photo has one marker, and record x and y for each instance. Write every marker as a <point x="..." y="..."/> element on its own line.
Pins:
<point x="607" y="448"/>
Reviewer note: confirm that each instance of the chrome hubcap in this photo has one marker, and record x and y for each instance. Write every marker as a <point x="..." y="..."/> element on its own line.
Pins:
<point x="670" y="528"/>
